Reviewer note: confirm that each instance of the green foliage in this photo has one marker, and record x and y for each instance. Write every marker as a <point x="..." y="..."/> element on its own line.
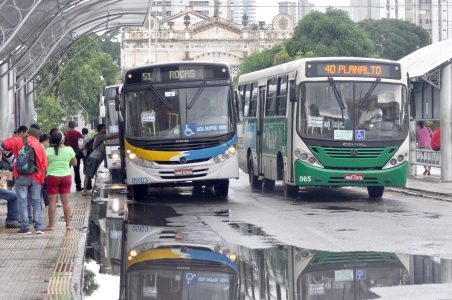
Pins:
<point x="395" y="39"/>
<point x="331" y="33"/>
<point x="110" y="44"/>
<point x="50" y="113"/>
<point x="89" y="282"/>
<point x="79" y="77"/>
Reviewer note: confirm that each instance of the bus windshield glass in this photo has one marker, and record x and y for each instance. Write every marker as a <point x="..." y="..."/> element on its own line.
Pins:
<point x="349" y="283"/>
<point x="179" y="285"/>
<point x="174" y="113"/>
<point x="353" y="111"/>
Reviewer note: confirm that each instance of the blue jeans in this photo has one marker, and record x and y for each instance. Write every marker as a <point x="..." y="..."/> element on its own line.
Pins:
<point x="12" y="213"/>
<point x="25" y="186"/>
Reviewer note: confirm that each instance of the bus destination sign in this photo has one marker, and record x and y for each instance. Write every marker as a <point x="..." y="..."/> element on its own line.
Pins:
<point x="353" y="69"/>
<point x="175" y="73"/>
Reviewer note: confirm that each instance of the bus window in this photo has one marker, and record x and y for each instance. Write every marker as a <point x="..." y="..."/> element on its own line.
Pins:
<point x="253" y="100"/>
<point x="282" y="97"/>
<point x="271" y="98"/>
<point x="246" y="100"/>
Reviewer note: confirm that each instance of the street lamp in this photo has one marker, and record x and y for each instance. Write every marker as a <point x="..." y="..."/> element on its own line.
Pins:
<point x="87" y="115"/>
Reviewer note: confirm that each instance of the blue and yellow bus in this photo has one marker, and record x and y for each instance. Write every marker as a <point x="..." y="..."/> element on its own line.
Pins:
<point x="179" y="126"/>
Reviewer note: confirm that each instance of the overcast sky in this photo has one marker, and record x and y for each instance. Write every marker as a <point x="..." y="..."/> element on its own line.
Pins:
<point x="268" y="9"/>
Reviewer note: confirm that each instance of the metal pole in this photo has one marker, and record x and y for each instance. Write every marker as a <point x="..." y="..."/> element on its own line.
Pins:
<point x="5" y="111"/>
<point x="20" y="96"/>
<point x="446" y="123"/>
<point x="412" y="133"/>
<point x="30" y="102"/>
<point x="87" y="115"/>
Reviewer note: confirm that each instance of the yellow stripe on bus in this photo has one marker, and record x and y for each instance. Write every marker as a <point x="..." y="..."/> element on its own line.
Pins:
<point x="154" y="254"/>
<point x="154" y="155"/>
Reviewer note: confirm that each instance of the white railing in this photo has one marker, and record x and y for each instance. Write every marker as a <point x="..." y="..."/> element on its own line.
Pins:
<point x="425" y="157"/>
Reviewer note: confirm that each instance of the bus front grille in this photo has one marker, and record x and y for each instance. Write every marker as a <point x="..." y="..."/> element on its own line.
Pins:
<point x="194" y="145"/>
<point x="333" y="152"/>
<point x="171" y="174"/>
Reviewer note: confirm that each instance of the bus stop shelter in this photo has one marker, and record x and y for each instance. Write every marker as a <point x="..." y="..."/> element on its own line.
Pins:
<point x="430" y="74"/>
<point x="34" y="32"/>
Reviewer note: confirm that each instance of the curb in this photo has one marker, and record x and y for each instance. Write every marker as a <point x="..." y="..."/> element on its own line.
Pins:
<point x="422" y="193"/>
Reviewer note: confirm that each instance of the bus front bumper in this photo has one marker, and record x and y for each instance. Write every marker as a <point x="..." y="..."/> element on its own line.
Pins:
<point x="307" y="175"/>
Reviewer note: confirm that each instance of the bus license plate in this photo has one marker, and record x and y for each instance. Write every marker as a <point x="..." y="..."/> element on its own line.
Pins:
<point x="354" y="177"/>
<point x="183" y="172"/>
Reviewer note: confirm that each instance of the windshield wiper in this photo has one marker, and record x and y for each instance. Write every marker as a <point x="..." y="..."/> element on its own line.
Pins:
<point x="163" y="99"/>
<point x="369" y="92"/>
<point x="196" y="96"/>
<point x="338" y="96"/>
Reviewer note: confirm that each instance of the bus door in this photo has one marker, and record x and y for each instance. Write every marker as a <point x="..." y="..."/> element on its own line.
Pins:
<point x="260" y="129"/>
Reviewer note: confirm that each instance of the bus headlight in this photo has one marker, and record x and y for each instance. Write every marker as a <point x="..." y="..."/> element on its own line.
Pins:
<point x="142" y="162"/>
<point x="133" y="253"/>
<point x="307" y="158"/>
<point x="115" y="155"/>
<point x="226" y="155"/>
<point x="397" y="159"/>
<point x="232" y="256"/>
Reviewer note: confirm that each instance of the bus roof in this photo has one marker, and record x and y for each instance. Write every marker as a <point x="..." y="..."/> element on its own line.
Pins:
<point x="298" y="64"/>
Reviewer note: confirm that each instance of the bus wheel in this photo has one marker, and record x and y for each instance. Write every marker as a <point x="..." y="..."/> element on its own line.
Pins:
<point x="255" y="183"/>
<point x="139" y="192"/>
<point x="375" y="191"/>
<point x="221" y="188"/>
<point x="290" y="190"/>
<point x="268" y="185"/>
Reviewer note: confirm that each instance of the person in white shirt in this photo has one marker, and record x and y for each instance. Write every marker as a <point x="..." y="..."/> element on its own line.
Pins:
<point x="370" y="115"/>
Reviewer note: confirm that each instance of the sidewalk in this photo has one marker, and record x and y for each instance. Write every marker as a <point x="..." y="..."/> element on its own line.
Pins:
<point x="429" y="186"/>
<point x="47" y="266"/>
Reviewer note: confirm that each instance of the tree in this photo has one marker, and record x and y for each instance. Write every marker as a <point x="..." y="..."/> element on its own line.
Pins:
<point x="50" y="113"/>
<point x="78" y="78"/>
<point x="395" y="39"/>
<point x="331" y="33"/>
<point x="110" y="44"/>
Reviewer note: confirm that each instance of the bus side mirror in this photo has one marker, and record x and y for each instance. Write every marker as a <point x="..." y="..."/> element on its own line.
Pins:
<point x="102" y="111"/>
<point x="236" y="105"/>
<point x="293" y="91"/>
<point x="117" y="99"/>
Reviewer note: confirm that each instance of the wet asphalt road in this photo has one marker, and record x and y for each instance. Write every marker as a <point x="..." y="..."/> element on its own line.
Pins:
<point x="338" y="219"/>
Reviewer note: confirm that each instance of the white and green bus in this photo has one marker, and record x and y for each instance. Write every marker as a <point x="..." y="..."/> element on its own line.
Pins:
<point x="333" y="121"/>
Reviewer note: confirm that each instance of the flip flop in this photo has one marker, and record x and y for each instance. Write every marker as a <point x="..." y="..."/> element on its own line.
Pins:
<point x="49" y="228"/>
<point x="86" y="194"/>
<point x="69" y="227"/>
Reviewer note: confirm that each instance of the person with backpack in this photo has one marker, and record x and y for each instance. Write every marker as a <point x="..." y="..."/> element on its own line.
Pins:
<point x="71" y="138"/>
<point x="58" y="179"/>
<point x="29" y="170"/>
<point x="95" y="154"/>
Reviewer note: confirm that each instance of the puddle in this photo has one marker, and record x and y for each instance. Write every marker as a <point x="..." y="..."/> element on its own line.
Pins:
<point x="148" y="251"/>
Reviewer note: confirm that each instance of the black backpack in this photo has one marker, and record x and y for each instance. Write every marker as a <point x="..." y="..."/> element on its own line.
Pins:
<point x="89" y="146"/>
<point x="26" y="159"/>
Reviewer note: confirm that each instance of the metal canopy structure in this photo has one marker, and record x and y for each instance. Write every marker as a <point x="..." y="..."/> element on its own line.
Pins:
<point x="433" y="65"/>
<point x="32" y="32"/>
<point x="426" y="62"/>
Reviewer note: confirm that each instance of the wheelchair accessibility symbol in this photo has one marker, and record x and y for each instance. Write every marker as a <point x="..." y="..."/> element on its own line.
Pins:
<point x="360" y="135"/>
<point x="190" y="130"/>
<point x="190" y="277"/>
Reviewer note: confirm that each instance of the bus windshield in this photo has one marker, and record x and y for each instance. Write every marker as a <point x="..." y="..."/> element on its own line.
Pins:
<point x="349" y="283"/>
<point x="179" y="285"/>
<point x="193" y="112"/>
<point x="353" y="111"/>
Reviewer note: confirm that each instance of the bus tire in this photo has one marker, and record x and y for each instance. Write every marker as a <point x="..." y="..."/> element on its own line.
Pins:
<point x="221" y="188"/>
<point x="290" y="191"/>
<point x="139" y="192"/>
<point x="375" y="192"/>
<point x="268" y="185"/>
<point x="255" y="183"/>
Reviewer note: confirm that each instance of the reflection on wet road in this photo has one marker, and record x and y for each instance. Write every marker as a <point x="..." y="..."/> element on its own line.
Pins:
<point x="178" y="245"/>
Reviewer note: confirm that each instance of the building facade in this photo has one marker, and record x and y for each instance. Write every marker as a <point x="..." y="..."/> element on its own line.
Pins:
<point x="377" y="9"/>
<point x="191" y="36"/>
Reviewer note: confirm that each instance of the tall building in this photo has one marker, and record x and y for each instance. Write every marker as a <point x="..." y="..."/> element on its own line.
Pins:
<point x="205" y="7"/>
<point x="377" y="9"/>
<point x="289" y="8"/>
<point x="242" y="7"/>
<point x="304" y="8"/>
<point x="435" y="16"/>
